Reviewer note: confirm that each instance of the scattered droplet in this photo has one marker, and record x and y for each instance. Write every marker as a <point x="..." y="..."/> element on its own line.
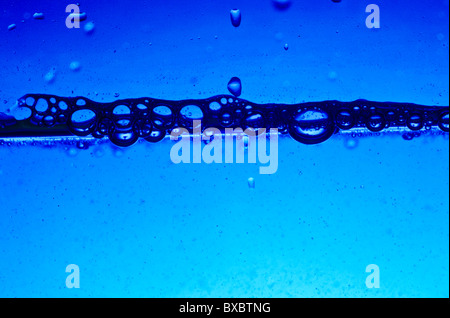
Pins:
<point x="89" y="27"/>
<point x="50" y="76"/>
<point x="286" y="46"/>
<point x="251" y="183"/>
<point x="38" y="16"/>
<point x="75" y="66"/>
<point x="336" y="1"/>
<point x="282" y="4"/>
<point x="235" y="86"/>
<point x="41" y="105"/>
<point x="236" y="17"/>
<point x="11" y="27"/>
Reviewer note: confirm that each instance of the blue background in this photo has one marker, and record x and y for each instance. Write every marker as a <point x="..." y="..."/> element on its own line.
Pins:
<point x="138" y="225"/>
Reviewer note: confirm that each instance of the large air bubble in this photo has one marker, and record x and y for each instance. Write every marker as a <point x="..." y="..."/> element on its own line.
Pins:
<point x="311" y="126"/>
<point x="82" y="122"/>
<point x="444" y="122"/>
<point x="376" y="122"/>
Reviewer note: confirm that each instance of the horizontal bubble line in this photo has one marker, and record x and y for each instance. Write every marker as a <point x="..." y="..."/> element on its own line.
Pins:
<point x="126" y="121"/>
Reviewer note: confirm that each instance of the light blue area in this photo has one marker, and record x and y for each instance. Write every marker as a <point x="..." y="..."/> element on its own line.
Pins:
<point x="138" y="225"/>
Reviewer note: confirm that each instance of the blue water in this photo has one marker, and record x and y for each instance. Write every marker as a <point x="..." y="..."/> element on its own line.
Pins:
<point x="138" y="225"/>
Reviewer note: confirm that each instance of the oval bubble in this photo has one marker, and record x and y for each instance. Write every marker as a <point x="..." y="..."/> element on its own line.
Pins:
<point x="81" y="102"/>
<point x="121" y="110"/>
<point x="62" y="105"/>
<point x="82" y="122"/>
<point x="191" y="112"/>
<point x="123" y="139"/>
<point x="41" y="105"/>
<point x="376" y="122"/>
<point x="215" y="106"/>
<point x="311" y="126"/>
<point x="162" y="110"/>
<point x="414" y="122"/>
<point x="156" y="135"/>
<point x="345" y="119"/>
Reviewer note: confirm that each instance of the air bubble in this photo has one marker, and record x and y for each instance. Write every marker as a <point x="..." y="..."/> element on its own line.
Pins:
<point x="376" y="122"/>
<point x="215" y="106"/>
<point x="41" y="105"/>
<point x="191" y="112"/>
<point x="162" y="111"/>
<point x="311" y="127"/>
<point x="344" y="119"/>
<point x="81" y="102"/>
<point x="255" y="121"/>
<point x="29" y="101"/>
<point x="123" y="139"/>
<point x="121" y="110"/>
<point x="414" y="122"/>
<point x="444" y="122"/>
<point x="82" y="121"/>
<point x="62" y="105"/>
<point x="49" y="121"/>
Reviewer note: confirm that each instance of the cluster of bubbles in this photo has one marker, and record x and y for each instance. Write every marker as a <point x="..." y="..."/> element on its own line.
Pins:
<point x="124" y="122"/>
